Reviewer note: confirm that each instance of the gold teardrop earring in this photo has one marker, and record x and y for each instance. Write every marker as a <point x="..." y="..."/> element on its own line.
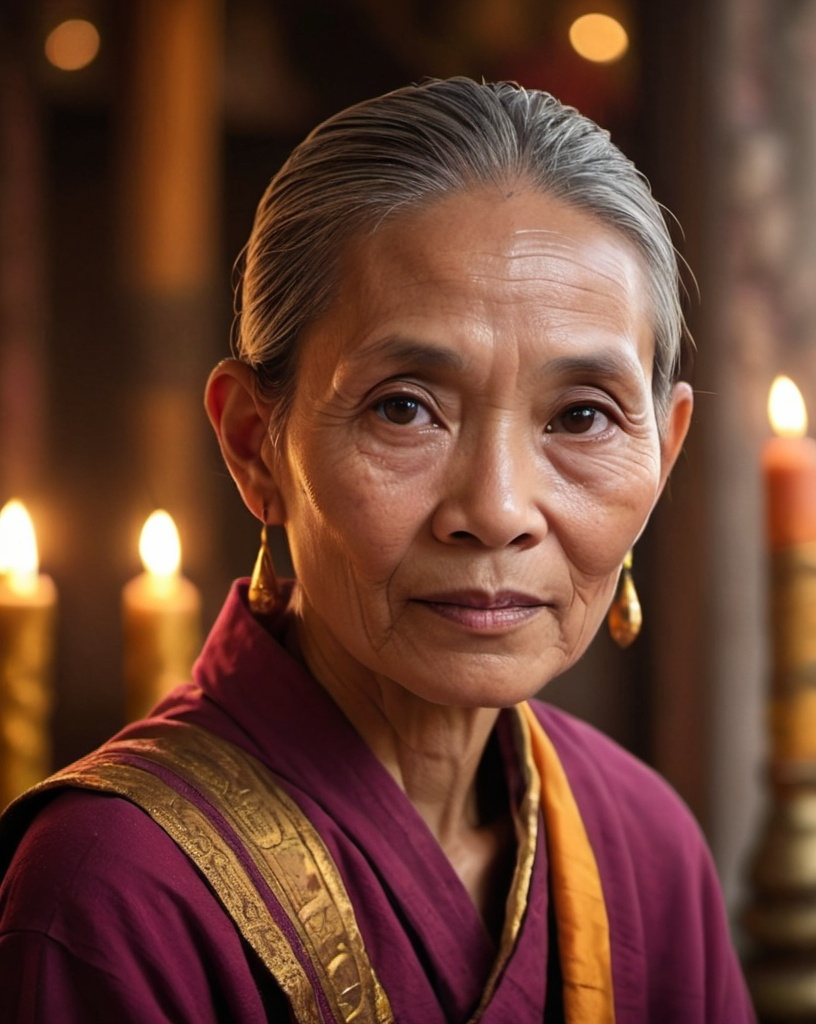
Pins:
<point x="625" y="614"/>
<point x="263" y="586"/>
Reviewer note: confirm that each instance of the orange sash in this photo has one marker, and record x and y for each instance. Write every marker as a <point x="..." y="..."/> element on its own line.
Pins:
<point x="583" y="926"/>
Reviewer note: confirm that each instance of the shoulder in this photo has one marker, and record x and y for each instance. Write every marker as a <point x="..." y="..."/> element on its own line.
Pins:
<point x="89" y="855"/>
<point x="641" y="829"/>
<point x="98" y="899"/>
<point x="615" y="782"/>
<point x="667" y="917"/>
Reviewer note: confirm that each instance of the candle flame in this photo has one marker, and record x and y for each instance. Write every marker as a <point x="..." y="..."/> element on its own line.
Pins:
<point x="786" y="409"/>
<point x="19" y="562"/>
<point x="159" y="545"/>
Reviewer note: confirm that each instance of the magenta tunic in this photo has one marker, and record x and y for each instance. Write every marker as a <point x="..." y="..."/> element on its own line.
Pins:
<point x="103" y="918"/>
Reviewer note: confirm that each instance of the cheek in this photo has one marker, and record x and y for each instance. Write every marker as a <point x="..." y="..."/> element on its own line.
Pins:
<point x="368" y="520"/>
<point x="599" y="525"/>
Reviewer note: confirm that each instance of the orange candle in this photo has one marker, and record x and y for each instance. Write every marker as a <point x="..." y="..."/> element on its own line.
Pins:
<point x="161" y="618"/>
<point x="789" y="463"/>
<point x="27" y="614"/>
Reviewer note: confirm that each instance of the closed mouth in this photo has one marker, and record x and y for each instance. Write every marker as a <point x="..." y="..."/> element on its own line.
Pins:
<point x="483" y="612"/>
<point x="484" y="600"/>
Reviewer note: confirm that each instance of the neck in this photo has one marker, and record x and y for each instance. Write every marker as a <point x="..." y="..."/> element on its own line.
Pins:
<point x="432" y="751"/>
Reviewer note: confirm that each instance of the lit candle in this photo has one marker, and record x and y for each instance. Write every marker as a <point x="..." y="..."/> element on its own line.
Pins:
<point x="789" y="461"/>
<point x="27" y="614"/>
<point x="161" y="618"/>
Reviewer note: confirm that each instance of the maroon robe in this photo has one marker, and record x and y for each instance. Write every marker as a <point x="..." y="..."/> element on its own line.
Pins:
<point x="103" y="918"/>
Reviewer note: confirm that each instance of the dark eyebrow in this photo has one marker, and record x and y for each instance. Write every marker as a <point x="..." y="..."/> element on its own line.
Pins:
<point x="429" y="355"/>
<point x="599" y="364"/>
<point x="407" y="350"/>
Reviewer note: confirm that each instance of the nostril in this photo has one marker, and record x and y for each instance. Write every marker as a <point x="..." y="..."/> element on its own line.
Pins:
<point x="522" y="540"/>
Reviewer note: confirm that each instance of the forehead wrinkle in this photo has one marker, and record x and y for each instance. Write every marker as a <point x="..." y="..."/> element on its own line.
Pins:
<point x="560" y="255"/>
<point x="607" y="271"/>
<point x="556" y="270"/>
<point x="627" y="276"/>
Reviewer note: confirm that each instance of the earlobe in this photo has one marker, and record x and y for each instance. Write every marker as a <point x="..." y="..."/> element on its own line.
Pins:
<point x="240" y="418"/>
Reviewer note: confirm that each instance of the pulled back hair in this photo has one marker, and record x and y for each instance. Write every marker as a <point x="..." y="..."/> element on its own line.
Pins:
<point x="412" y="147"/>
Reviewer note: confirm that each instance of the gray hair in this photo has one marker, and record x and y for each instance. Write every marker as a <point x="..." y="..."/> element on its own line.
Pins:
<point x="411" y="147"/>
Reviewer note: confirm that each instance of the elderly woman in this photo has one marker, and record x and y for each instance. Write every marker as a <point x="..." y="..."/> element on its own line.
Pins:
<point x="455" y="389"/>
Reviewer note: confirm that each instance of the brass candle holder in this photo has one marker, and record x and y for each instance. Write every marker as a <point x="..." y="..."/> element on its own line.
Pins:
<point x="780" y="918"/>
<point x="26" y="648"/>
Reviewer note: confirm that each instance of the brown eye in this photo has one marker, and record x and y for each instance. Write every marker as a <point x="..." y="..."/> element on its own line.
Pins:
<point x="579" y="419"/>
<point x="400" y="409"/>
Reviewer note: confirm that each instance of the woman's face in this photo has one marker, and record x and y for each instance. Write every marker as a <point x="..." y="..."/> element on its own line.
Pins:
<point x="472" y="448"/>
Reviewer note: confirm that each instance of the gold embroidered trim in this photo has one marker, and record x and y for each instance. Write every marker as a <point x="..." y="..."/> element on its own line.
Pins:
<point x="527" y="832"/>
<point x="283" y="845"/>
<point x="525" y="820"/>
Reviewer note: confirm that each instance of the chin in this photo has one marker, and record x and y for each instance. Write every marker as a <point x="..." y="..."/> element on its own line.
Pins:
<point x="486" y="682"/>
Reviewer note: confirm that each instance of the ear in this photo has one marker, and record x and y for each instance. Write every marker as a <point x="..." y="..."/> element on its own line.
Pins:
<point x="676" y="428"/>
<point x="240" y="418"/>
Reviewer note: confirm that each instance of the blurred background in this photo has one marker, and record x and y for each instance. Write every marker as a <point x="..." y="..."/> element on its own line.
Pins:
<point x="136" y="137"/>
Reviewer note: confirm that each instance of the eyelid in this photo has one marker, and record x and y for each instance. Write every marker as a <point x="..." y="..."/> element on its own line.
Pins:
<point x="595" y="396"/>
<point x="401" y="388"/>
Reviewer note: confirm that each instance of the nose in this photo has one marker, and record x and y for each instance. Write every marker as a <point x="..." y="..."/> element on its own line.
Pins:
<point x="491" y="492"/>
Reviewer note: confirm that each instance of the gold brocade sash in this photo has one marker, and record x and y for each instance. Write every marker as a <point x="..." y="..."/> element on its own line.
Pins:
<point x="580" y="910"/>
<point x="314" y="950"/>
<point x="245" y="834"/>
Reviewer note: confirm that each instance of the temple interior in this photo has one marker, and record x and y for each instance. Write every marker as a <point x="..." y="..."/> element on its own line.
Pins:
<point x="128" y="182"/>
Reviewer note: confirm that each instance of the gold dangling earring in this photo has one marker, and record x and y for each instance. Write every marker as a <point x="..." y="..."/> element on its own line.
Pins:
<point x="263" y="587"/>
<point x="625" y="614"/>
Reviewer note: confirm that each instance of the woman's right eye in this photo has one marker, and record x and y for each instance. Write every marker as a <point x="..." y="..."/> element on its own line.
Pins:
<point x="402" y="410"/>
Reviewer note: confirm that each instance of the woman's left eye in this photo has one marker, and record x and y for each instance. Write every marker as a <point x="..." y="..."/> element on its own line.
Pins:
<point x="579" y="419"/>
<point x="402" y="410"/>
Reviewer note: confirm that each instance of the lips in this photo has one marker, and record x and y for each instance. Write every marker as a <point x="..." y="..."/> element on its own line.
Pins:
<point x="482" y="611"/>
<point x="484" y="599"/>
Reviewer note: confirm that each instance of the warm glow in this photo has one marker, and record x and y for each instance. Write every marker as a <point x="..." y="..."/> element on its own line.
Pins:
<point x="599" y="38"/>
<point x="786" y="409"/>
<point x="19" y="562"/>
<point x="72" y="45"/>
<point x="159" y="545"/>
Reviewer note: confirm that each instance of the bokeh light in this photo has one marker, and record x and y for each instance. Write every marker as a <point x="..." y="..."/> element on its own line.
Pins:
<point x="599" y="38"/>
<point x="72" y="45"/>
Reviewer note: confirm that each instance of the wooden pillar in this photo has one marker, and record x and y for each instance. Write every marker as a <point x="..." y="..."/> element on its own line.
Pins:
<point x="671" y="563"/>
<point x="738" y="351"/>
<point x="23" y="300"/>
<point x="174" y="297"/>
<point x="712" y="156"/>
<point x="26" y="644"/>
<point x="765" y="247"/>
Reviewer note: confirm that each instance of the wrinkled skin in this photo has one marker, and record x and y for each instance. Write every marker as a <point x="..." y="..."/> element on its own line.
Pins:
<point x="472" y="449"/>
